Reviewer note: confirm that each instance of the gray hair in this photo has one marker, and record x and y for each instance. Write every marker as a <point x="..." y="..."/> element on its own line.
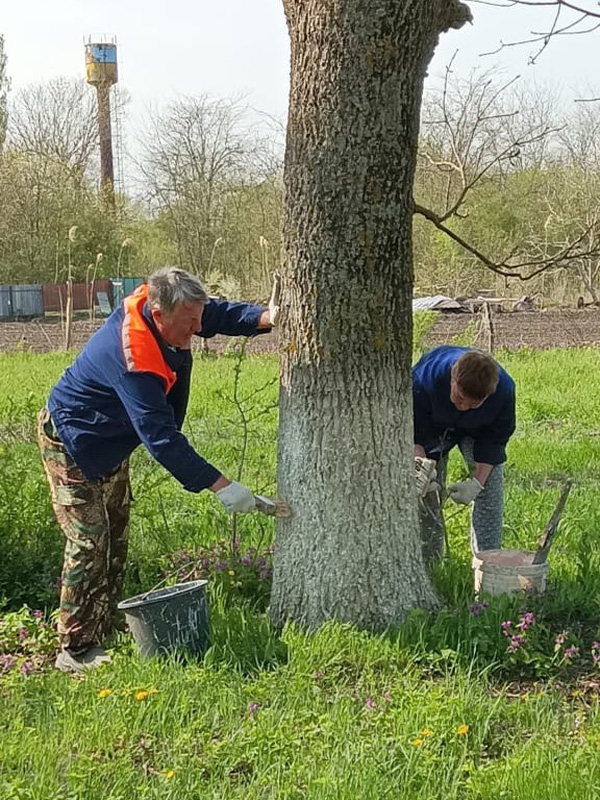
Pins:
<point x="170" y="285"/>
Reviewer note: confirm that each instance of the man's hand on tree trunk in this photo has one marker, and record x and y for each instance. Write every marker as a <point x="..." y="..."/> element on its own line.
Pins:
<point x="234" y="496"/>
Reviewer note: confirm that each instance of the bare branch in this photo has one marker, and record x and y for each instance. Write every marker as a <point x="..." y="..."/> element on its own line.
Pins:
<point x="539" y="3"/>
<point x="477" y="129"/>
<point x="584" y="12"/>
<point x="535" y="266"/>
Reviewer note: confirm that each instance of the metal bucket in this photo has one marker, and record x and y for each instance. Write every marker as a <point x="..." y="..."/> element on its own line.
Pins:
<point x="170" y="620"/>
<point x="508" y="571"/>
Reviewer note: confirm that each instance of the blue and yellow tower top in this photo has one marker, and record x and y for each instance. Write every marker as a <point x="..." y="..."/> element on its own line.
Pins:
<point x="101" y="62"/>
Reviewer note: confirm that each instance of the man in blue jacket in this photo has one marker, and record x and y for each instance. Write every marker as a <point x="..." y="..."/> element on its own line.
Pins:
<point x="129" y="386"/>
<point x="463" y="397"/>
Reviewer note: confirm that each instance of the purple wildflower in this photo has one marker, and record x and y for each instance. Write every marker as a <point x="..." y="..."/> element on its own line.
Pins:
<point x="221" y="565"/>
<point x="571" y="653"/>
<point x="7" y="662"/>
<point x="27" y="667"/>
<point x="370" y="703"/>
<point x="318" y="675"/>
<point x="253" y="708"/>
<point x="246" y="561"/>
<point x="23" y="632"/>
<point x="516" y="640"/>
<point x="596" y="652"/>
<point x="265" y="574"/>
<point x="561" y="638"/>
<point x="38" y="614"/>
<point x="506" y="626"/>
<point x="477" y="609"/>
<point x="261" y="561"/>
<point x="527" y="621"/>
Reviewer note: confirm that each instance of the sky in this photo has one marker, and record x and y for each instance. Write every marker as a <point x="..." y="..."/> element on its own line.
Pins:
<point x="230" y="47"/>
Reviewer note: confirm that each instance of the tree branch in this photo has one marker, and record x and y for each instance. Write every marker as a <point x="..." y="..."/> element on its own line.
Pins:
<point x="537" y="266"/>
<point x="453" y="14"/>
<point x="557" y="28"/>
<point x="539" y="3"/>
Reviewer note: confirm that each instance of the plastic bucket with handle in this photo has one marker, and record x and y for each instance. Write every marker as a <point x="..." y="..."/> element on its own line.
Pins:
<point x="170" y="620"/>
<point x="508" y="571"/>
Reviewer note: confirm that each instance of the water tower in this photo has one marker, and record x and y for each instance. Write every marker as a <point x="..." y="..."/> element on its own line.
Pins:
<point x="101" y="72"/>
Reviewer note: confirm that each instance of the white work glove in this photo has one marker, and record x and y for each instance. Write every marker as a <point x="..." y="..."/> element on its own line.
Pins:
<point x="425" y="474"/>
<point x="236" y="497"/>
<point x="274" y="300"/>
<point x="465" y="492"/>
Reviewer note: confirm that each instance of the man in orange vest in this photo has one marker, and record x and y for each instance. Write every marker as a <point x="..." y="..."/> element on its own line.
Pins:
<point x="129" y="386"/>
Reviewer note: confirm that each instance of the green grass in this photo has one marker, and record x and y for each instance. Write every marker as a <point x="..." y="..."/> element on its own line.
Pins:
<point x="339" y="714"/>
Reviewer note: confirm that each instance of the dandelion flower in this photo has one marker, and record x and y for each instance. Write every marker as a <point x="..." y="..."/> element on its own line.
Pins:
<point x="462" y="730"/>
<point x="141" y="695"/>
<point x="169" y="774"/>
<point x="231" y="572"/>
<point x="417" y="742"/>
<point x="426" y="732"/>
<point x="104" y="692"/>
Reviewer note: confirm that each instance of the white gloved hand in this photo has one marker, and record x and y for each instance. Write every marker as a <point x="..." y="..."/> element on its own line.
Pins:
<point x="274" y="300"/>
<point x="465" y="491"/>
<point x="425" y="473"/>
<point x="236" y="497"/>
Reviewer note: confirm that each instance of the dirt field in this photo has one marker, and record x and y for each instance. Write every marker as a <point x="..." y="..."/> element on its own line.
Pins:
<point x="539" y="330"/>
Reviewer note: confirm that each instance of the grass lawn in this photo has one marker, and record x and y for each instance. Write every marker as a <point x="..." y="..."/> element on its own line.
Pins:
<point x="437" y="709"/>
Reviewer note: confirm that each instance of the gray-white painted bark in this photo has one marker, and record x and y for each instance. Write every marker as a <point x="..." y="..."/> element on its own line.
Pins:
<point x="351" y="549"/>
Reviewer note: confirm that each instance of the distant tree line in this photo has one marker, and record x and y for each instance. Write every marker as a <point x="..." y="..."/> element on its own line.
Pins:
<point x="502" y="167"/>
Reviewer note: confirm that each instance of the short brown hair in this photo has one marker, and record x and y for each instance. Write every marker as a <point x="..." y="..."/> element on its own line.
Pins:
<point x="476" y="374"/>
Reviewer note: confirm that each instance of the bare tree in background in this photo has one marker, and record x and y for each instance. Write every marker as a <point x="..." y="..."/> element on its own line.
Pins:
<point x="200" y="162"/>
<point x="474" y="132"/>
<point x="573" y="197"/>
<point x="56" y="120"/>
<point x="4" y="86"/>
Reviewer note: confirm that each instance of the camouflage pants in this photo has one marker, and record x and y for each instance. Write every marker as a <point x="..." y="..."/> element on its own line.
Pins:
<point x="94" y="516"/>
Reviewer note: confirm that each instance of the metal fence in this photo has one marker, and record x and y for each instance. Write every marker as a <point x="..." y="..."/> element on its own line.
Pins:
<point x="21" y="301"/>
<point x="30" y="300"/>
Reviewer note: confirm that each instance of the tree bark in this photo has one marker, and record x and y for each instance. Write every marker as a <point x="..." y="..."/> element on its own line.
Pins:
<point x="351" y="550"/>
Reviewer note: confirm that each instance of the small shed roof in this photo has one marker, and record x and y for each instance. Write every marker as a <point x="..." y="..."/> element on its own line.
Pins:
<point x="438" y="302"/>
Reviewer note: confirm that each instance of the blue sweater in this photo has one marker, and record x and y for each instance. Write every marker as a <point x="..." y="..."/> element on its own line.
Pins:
<point x="439" y="425"/>
<point x="103" y="411"/>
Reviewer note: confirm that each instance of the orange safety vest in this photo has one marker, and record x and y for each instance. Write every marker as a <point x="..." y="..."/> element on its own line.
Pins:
<point x="141" y="351"/>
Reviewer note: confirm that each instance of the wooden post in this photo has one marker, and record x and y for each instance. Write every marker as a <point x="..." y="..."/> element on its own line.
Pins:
<point x="487" y="328"/>
<point x="69" y="314"/>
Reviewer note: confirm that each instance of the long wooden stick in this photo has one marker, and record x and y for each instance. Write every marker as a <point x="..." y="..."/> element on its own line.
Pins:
<point x="551" y="528"/>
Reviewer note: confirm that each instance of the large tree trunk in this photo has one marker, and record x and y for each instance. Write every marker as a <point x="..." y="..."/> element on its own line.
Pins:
<point x="351" y="550"/>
